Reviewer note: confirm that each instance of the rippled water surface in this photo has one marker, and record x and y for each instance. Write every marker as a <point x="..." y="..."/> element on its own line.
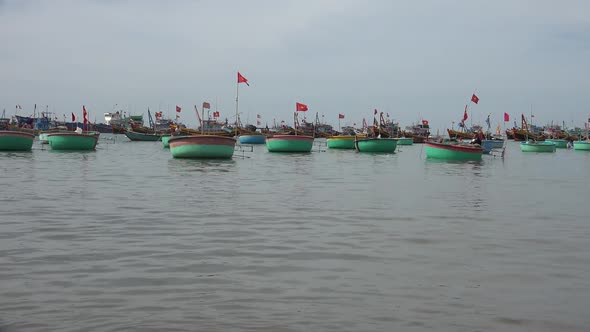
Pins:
<point x="128" y="239"/>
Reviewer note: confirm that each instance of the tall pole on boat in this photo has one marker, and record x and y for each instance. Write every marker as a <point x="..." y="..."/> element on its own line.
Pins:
<point x="237" y="93"/>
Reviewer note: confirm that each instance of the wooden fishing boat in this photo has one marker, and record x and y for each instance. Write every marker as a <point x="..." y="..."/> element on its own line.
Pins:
<point x="252" y="139"/>
<point x="582" y="145"/>
<point x="16" y="140"/>
<point x="453" y="151"/>
<point x="376" y="145"/>
<point x="341" y="142"/>
<point x="404" y="140"/>
<point x="142" y="137"/>
<point x="533" y="146"/>
<point x="73" y="141"/>
<point x="289" y="143"/>
<point x="459" y="135"/>
<point x="559" y="143"/>
<point x="202" y="146"/>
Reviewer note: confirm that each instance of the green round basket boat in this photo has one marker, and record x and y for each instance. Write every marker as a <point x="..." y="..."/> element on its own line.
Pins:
<point x="16" y="140"/>
<point x="202" y="147"/>
<point x="289" y="143"/>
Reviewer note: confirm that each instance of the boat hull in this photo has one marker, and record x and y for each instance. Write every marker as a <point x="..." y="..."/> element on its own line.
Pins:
<point x="72" y="141"/>
<point x="377" y="145"/>
<point x="447" y="151"/>
<point x="15" y="141"/>
<point x="165" y="141"/>
<point x="341" y="142"/>
<point x="252" y="139"/>
<point x="404" y="140"/>
<point x="202" y="147"/>
<point x="489" y="144"/>
<point x="537" y="147"/>
<point x="141" y="137"/>
<point x="559" y="143"/>
<point x="582" y="145"/>
<point x="289" y="143"/>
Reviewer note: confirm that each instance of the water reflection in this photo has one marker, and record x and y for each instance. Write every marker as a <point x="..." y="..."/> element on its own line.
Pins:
<point x="201" y="165"/>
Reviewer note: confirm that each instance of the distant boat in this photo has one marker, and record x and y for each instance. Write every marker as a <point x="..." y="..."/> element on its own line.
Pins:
<point x="202" y="146"/>
<point x="142" y="137"/>
<point x="73" y="141"/>
<point x="453" y="151"/>
<point x="533" y="146"/>
<point x="16" y="140"/>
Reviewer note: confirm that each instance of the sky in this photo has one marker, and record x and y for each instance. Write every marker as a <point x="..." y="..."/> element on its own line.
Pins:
<point x="411" y="59"/>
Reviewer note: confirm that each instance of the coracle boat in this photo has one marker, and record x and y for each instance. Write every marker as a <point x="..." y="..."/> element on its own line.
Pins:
<point x="582" y="145"/>
<point x="533" y="146"/>
<point x="453" y="151"/>
<point x="16" y="140"/>
<point x="289" y="143"/>
<point x="559" y="143"/>
<point x="202" y="147"/>
<point x="73" y="141"/>
<point x="252" y="139"/>
<point x="404" y="140"/>
<point x="341" y="142"/>
<point x="142" y="137"/>
<point x="376" y="145"/>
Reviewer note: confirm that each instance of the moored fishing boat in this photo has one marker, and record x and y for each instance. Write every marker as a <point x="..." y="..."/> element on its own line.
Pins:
<point x="559" y="143"/>
<point x="533" y="146"/>
<point x="453" y="151"/>
<point x="73" y="141"/>
<point x="376" y="145"/>
<point x="202" y="146"/>
<point x="135" y="136"/>
<point x="490" y="144"/>
<point x="252" y="139"/>
<point x="15" y="140"/>
<point x="341" y="142"/>
<point x="289" y="143"/>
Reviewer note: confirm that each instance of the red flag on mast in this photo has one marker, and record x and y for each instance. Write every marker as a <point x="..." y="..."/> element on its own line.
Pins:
<point x="84" y="114"/>
<point x="206" y="105"/>
<point x="465" y="114"/>
<point x="178" y="109"/>
<point x="340" y="116"/>
<point x="474" y="98"/>
<point x="300" y="107"/>
<point x="73" y="117"/>
<point x="242" y="79"/>
<point x="506" y="117"/>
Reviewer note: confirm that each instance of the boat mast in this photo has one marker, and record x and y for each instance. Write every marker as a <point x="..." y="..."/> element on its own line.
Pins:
<point x="237" y="93"/>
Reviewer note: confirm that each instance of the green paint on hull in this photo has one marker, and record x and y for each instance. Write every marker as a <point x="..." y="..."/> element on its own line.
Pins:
<point x="72" y="142"/>
<point x="285" y="145"/>
<point x="341" y="142"/>
<point x="16" y="143"/>
<point x="444" y="154"/>
<point x="537" y="147"/>
<point x="404" y="141"/>
<point x="376" y="145"/>
<point x="582" y="145"/>
<point x="559" y="143"/>
<point x="208" y="151"/>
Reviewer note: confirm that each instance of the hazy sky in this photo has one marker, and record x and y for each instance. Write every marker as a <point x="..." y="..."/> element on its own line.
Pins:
<point x="412" y="59"/>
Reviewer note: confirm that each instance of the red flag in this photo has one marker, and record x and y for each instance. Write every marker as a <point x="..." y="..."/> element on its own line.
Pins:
<point x="258" y="116"/>
<point x="465" y="114"/>
<point x="242" y="79"/>
<point x="301" y="107"/>
<point x="215" y="114"/>
<point x="474" y="98"/>
<point x="206" y="105"/>
<point x="258" y="123"/>
<point x="73" y="117"/>
<point x="340" y="116"/>
<point x="425" y="122"/>
<point x="84" y="114"/>
<point x="375" y="111"/>
<point x="178" y="108"/>
<point x="506" y="117"/>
